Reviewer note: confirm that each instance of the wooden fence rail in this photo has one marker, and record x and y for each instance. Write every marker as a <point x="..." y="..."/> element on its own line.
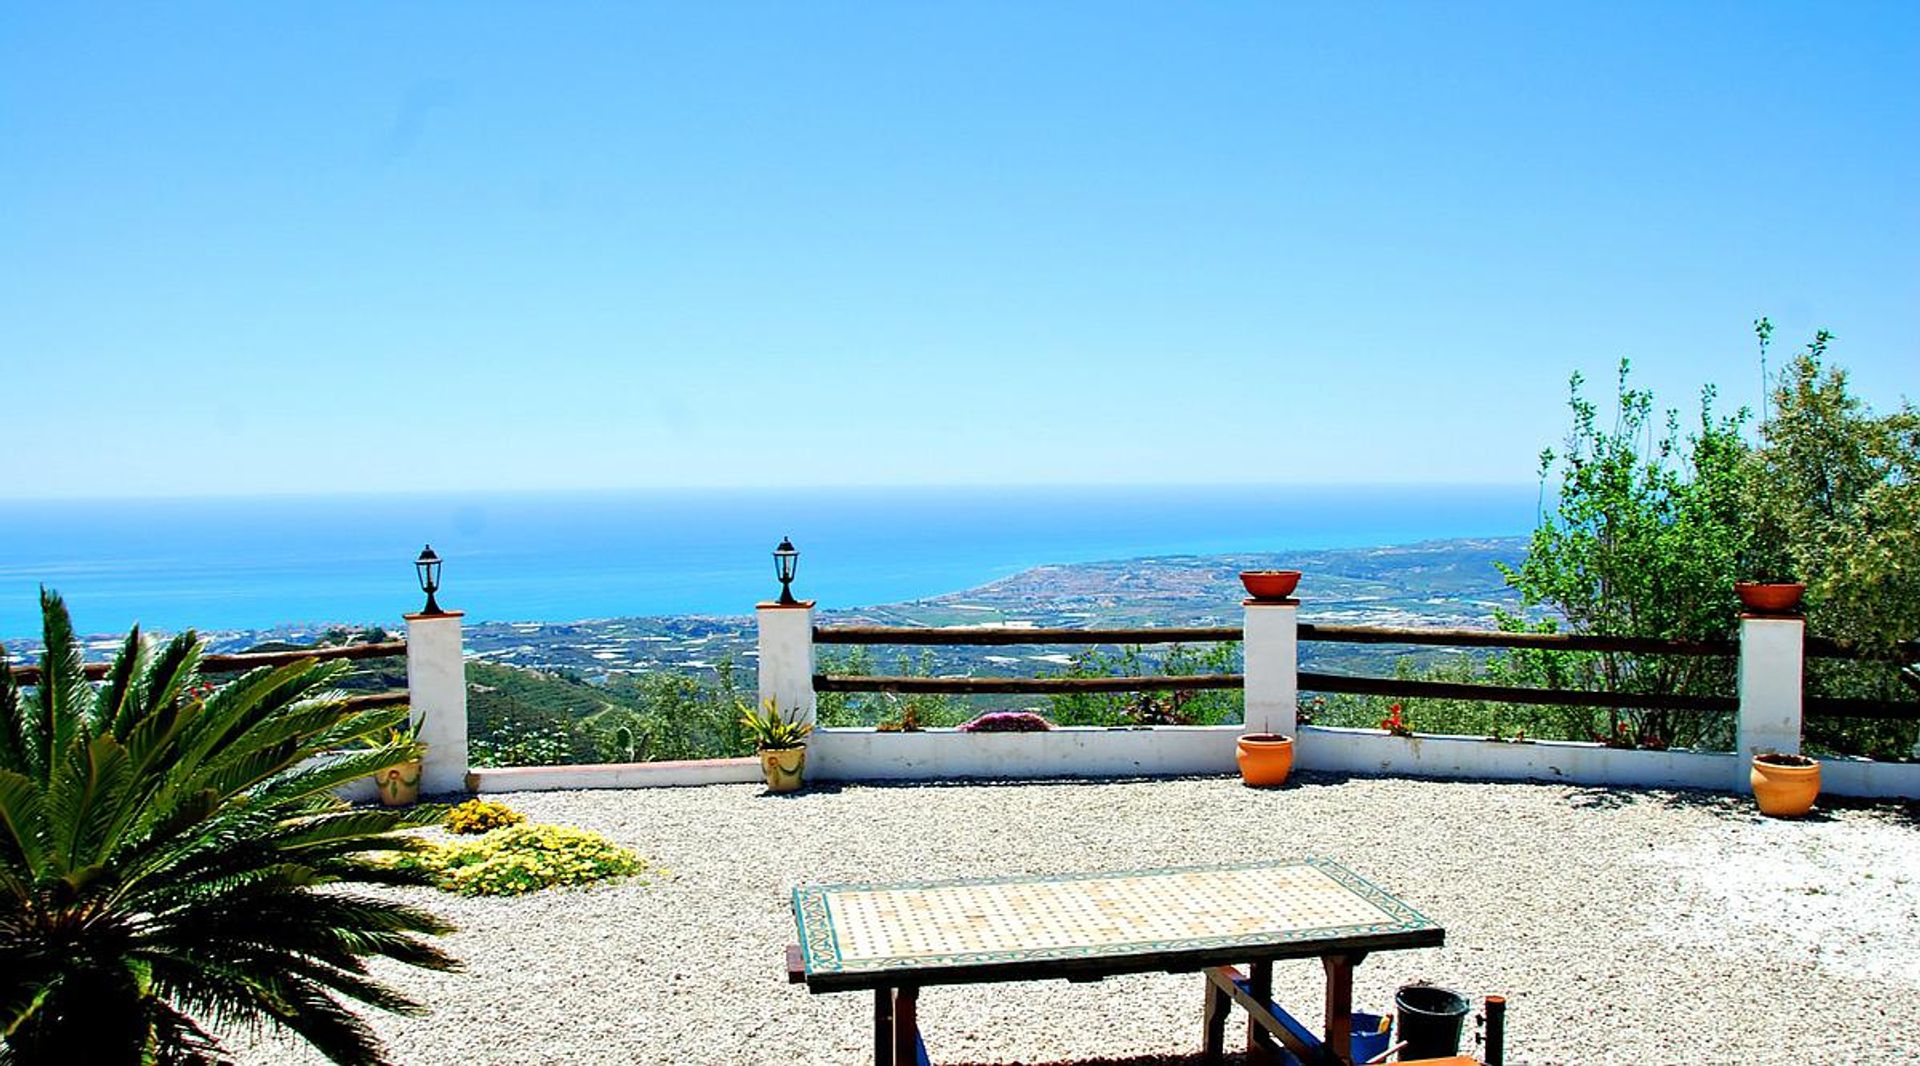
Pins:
<point x="958" y="636"/>
<point x="978" y="686"/>
<point x="232" y="664"/>
<point x="997" y="635"/>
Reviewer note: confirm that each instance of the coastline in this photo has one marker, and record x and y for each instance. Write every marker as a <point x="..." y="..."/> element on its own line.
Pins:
<point x="1449" y="582"/>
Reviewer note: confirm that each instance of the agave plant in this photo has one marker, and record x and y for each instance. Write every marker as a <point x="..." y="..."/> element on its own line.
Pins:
<point x="174" y="865"/>
<point x="773" y="729"/>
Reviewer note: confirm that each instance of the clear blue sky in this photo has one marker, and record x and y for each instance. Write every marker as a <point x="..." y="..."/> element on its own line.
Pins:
<point x="295" y="247"/>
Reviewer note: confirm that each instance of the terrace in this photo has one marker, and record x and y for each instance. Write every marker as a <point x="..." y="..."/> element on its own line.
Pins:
<point x="1631" y="904"/>
<point x="1646" y="926"/>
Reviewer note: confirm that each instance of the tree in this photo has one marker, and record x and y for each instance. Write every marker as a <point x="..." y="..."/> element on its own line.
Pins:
<point x="1645" y="538"/>
<point x="1177" y="707"/>
<point x="1835" y="491"/>
<point x="173" y="859"/>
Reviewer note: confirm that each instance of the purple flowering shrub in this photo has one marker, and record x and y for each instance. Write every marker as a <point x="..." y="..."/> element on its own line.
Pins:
<point x="1007" y="722"/>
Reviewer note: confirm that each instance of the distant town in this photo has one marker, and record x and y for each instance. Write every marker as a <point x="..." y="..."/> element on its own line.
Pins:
<point x="1438" y="584"/>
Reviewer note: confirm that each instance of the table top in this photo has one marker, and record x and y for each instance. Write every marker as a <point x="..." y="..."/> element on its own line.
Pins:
<point x="1094" y="924"/>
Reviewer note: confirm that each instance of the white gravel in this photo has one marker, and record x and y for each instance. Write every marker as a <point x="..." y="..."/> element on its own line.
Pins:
<point x="1624" y="927"/>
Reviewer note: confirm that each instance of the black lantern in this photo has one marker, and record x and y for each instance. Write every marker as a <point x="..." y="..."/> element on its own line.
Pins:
<point x="786" y="559"/>
<point x="428" y="566"/>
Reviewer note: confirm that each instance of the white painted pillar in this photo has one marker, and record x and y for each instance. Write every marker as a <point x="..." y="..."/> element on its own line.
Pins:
<point x="1272" y="654"/>
<point x="786" y="658"/>
<point x="1772" y="649"/>
<point x="437" y="690"/>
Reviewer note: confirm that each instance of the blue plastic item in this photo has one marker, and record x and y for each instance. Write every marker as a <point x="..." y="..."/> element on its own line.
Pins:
<point x="1369" y="1039"/>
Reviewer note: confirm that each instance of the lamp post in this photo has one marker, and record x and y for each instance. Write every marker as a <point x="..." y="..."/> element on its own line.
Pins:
<point x="428" y="568"/>
<point x="786" y="559"/>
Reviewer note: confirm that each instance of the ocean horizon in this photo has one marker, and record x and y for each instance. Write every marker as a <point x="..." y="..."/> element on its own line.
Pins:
<point x="254" y="563"/>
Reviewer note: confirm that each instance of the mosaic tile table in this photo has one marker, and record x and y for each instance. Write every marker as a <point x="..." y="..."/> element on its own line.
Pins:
<point x="898" y="938"/>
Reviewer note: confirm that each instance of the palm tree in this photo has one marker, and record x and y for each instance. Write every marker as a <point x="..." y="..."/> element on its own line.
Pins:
<point x="174" y="864"/>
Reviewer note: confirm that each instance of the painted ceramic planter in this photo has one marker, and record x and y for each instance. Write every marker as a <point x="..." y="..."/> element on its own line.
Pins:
<point x="399" y="786"/>
<point x="1265" y="759"/>
<point x="1785" y="785"/>
<point x="1270" y="584"/>
<point x="1762" y="597"/>
<point x="783" y="768"/>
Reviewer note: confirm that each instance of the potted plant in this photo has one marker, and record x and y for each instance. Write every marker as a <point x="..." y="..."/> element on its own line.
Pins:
<point x="399" y="784"/>
<point x="1773" y="585"/>
<point x="1265" y="759"/>
<point x="1270" y="585"/>
<point x="781" y="741"/>
<point x="1784" y="785"/>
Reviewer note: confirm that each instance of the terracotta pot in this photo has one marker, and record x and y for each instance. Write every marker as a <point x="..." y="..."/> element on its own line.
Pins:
<point x="1270" y="584"/>
<point x="1763" y="597"/>
<point x="1785" y="791"/>
<point x="783" y="767"/>
<point x="1265" y="759"/>
<point x="399" y="786"/>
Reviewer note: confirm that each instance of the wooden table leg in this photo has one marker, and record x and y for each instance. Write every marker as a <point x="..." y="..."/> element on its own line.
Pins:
<point x="1339" y="1007"/>
<point x="883" y="1027"/>
<point x="1213" y="1023"/>
<point x="1260" y="987"/>
<point x="906" y="1027"/>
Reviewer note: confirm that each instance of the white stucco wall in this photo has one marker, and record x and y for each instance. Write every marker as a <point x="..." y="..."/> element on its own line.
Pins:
<point x="868" y="755"/>
<point x="1272" y="655"/>
<point x="437" y="692"/>
<point x="786" y="658"/>
<point x="1772" y="661"/>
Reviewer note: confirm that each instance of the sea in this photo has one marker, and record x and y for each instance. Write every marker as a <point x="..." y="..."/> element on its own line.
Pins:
<point x="233" y="563"/>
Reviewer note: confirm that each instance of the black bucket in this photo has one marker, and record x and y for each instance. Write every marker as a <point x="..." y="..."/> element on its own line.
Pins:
<point x="1430" y="1021"/>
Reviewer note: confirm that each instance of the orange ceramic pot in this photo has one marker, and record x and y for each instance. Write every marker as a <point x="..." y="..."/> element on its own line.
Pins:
<point x="1785" y="789"/>
<point x="1265" y="759"/>
<point x="784" y="768"/>
<point x="1763" y="597"/>
<point x="1270" y="584"/>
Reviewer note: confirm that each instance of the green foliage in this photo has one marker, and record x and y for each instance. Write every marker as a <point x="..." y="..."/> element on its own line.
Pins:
<point x="890" y="711"/>
<point x="1179" y="707"/>
<point x="773" y="729"/>
<point x="1646" y="538"/>
<point x="1467" y="718"/>
<point x="521" y="859"/>
<point x="478" y="816"/>
<point x="1837" y="490"/>
<point x="526" y="718"/>
<point x="172" y="858"/>
<point x="1649" y="534"/>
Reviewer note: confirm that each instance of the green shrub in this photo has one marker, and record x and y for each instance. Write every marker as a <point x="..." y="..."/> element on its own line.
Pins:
<point x="174" y="865"/>
<point x="481" y="816"/>
<point x="524" y="858"/>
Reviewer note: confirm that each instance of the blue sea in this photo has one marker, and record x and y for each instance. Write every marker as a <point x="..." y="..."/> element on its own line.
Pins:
<point x="256" y="563"/>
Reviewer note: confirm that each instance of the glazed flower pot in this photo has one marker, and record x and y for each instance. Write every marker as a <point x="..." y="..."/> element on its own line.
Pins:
<point x="1762" y="597"/>
<point x="1270" y="584"/>
<point x="1265" y="759"/>
<point x="1785" y="785"/>
<point x="399" y="786"/>
<point x="783" y="768"/>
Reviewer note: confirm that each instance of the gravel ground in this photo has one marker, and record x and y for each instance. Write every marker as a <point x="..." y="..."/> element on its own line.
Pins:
<point x="1624" y="927"/>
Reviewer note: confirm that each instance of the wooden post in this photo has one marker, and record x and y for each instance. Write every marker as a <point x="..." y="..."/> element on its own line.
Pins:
<point x="1260" y="987"/>
<point x="883" y="1027"/>
<point x="1213" y="1022"/>
<point x="1339" y="1007"/>
<point x="906" y="1027"/>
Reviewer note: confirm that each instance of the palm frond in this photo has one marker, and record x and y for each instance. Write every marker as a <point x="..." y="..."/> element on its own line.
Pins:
<point x="64" y="698"/>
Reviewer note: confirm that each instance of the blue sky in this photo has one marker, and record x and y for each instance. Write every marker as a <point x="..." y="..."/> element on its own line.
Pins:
<point x="315" y="247"/>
